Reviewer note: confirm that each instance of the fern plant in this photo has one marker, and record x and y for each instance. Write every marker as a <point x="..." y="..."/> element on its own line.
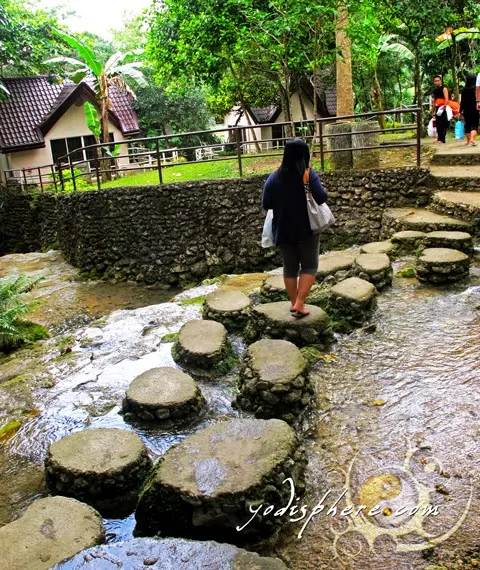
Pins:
<point x="13" y="305"/>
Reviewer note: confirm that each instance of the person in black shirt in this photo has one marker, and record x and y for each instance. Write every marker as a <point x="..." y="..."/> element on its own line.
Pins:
<point x="440" y="92"/>
<point x="468" y="108"/>
<point x="284" y="193"/>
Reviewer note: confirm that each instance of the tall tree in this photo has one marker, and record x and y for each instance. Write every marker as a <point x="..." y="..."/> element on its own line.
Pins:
<point x="344" y="63"/>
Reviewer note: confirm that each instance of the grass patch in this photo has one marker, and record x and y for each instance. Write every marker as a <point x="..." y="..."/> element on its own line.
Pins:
<point x="195" y="301"/>
<point x="9" y="430"/>
<point x="406" y="272"/>
<point x="170" y="337"/>
<point x="214" y="280"/>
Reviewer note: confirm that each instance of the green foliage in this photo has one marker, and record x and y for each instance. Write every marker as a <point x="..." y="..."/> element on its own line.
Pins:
<point x="170" y="337"/>
<point x="92" y="119"/>
<point x="195" y="301"/>
<point x="13" y="305"/>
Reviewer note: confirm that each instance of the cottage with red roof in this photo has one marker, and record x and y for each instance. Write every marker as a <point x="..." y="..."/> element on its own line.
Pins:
<point x="41" y="120"/>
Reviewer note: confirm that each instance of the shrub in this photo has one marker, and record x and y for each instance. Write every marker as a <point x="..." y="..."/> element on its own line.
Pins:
<point x="14" y="331"/>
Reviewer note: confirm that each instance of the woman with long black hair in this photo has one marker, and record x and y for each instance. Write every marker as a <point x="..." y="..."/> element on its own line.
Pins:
<point x="468" y="108"/>
<point x="284" y="193"/>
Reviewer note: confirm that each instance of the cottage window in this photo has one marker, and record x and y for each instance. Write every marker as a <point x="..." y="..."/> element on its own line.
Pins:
<point x="60" y="147"/>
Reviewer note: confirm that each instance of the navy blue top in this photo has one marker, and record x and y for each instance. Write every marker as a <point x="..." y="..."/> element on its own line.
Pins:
<point x="289" y="204"/>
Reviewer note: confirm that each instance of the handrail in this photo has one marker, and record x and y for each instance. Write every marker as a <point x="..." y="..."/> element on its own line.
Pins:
<point x="317" y="136"/>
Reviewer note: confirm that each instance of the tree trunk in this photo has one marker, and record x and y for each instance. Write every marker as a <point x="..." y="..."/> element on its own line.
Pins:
<point x="315" y="80"/>
<point x="104" y="100"/>
<point x="344" y="64"/>
<point x="243" y="105"/>
<point x="377" y="92"/>
<point x="418" y="84"/>
<point x="454" y="68"/>
<point x="287" y="111"/>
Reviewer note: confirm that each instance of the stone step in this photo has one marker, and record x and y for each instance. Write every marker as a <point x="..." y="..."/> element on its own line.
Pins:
<point x="465" y="178"/>
<point x="456" y="154"/>
<point x="169" y="554"/>
<point x="463" y="205"/>
<point x="400" y="219"/>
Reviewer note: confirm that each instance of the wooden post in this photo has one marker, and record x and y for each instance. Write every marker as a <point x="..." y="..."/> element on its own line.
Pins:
<point x="320" y="137"/>
<point x="73" y="174"/>
<point x="53" y="176"/>
<point x="40" y="178"/>
<point x="60" y="174"/>
<point x="159" y="164"/>
<point x="239" y="152"/>
<point x="419" y="137"/>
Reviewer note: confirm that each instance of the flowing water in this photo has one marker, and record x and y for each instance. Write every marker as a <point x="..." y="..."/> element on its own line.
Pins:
<point x="395" y="422"/>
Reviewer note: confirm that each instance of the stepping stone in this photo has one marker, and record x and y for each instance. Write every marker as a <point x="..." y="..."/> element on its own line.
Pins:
<point x="399" y="219"/>
<point x="273" y="289"/>
<point x="274" y="321"/>
<point x="274" y="381"/>
<point x="163" y="394"/>
<point x="97" y="463"/>
<point x="334" y="267"/>
<point x="378" y="247"/>
<point x="170" y="554"/>
<point x="231" y="308"/>
<point x="374" y="267"/>
<point x="49" y="531"/>
<point x="464" y="205"/>
<point x="202" y="347"/>
<point x="442" y="265"/>
<point x="460" y="241"/>
<point x="203" y="487"/>
<point x="407" y="242"/>
<point x="352" y="302"/>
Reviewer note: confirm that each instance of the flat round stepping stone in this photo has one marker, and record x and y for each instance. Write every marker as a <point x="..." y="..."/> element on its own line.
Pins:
<point x="407" y="242"/>
<point x="442" y="265"/>
<point x="352" y="302"/>
<point x="399" y="219"/>
<point x="203" y="486"/>
<point x="374" y="267"/>
<point x="49" y="531"/>
<point x="274" y="381"/>
<point x="273" y="289"/>
<point x="169" y="554"/>
<point x="93" y="463"/>
<point x="274" y="321"/>
<point x="202" y="347"/>
<point x="231" y="308"/>
<point x="165" y="395"/>
<point x="378" y="247"/>
<point x="336" y="266"/>
<point x="461" y="241"/>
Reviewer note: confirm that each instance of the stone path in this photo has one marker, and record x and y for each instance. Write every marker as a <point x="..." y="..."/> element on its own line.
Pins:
<point x="455" y="153"/>
<point x="400" y="219"/>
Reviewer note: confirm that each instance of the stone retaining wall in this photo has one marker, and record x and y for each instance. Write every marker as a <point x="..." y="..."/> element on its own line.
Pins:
<point x="184" y="232"/>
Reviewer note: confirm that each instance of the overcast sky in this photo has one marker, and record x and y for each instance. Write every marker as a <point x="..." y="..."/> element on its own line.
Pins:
<point x="97" y="16"/>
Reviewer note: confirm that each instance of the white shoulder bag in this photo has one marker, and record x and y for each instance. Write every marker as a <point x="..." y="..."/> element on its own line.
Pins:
<point x="320" y="215"/>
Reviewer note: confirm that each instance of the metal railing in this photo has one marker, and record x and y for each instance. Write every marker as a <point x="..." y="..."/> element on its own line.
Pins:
<point x="104" y="167"/>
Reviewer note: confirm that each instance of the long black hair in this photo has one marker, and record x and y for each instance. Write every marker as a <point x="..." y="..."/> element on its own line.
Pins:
<point x="296" y="158"/>
<point x="470" y="81"/>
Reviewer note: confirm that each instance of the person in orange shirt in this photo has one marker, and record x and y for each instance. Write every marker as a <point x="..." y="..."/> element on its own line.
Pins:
<point x="440" y="92"/>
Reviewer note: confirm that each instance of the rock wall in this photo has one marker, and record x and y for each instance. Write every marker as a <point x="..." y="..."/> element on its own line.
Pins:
<point x="28" y="222"/>
<point x="184" y="232"/>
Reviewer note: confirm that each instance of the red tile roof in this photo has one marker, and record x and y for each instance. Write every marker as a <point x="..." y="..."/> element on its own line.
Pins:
<point x="33" y="100"/>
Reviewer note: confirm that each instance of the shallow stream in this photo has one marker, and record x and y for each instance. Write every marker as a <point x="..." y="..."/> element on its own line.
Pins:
<point x="396" y="419"/>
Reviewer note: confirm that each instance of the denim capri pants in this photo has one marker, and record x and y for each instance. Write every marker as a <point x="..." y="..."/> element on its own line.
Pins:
<point x="301" y="257"/>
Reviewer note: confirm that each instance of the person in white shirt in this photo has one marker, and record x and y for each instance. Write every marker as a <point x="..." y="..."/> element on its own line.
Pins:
<point x="478" y="92"/>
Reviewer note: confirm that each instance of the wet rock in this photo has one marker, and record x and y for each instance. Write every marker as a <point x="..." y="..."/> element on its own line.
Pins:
<point x="50" y="531"/>
<point x="442" y="265"/>
<point x="165" y="395"/>
<point x="170" y="554"/>
<point x="399" y="219"/>
<point x="407" y="242"/>
<point x="203" y="486"/>
<point x="273" y="290"/>
<point x="333" y="264"/>
<point x="379" y="247"/>
<point x="374" y="267"/>
<point x="274" y="381"/>
<point x="461" y="241"/>
<point x="273" y="320"/>
<point x="351" y="303"/>
<point x="231" y="308"/>
<point x="202" y="347"/>
<point x="96" y="464"/>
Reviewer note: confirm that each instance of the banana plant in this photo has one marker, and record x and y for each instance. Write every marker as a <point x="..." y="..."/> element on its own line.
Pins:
<point x="117" y="71"/>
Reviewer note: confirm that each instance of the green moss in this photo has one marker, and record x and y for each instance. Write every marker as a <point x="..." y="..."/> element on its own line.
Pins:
<point x="99" y="323"/>
<point x="14" y="381"/>
<point x="226" y="365"/>
<point x="195" y="301"/>
<point x="406" y="272"/>
<point x="311" y="355"/>
<point x="214" y="280"/>
<point x="170" y="337"/>
<point x="8" y="430"/>
<point x="64" y="342"/>
<point x="51" y="245"/>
